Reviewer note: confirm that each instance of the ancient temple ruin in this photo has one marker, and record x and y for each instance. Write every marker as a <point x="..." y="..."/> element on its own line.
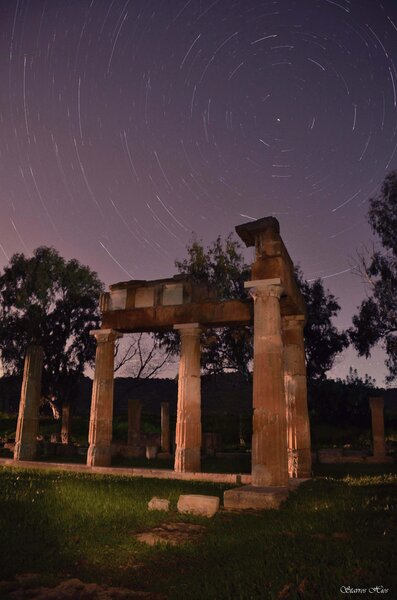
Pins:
<point x="281" y="433"/>
<point x="275" y="308"/>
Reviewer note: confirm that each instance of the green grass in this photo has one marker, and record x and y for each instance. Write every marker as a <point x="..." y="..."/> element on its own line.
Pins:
<point x="337" y="529"/>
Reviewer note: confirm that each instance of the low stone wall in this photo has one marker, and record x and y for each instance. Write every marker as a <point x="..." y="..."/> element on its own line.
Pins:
<point x="231" y="478"/>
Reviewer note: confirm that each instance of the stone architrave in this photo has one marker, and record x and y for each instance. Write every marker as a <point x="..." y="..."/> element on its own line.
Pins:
<point x="188" y="424"/>
<point x="66" y="426"/>
<point x="134" y="422"/>
<point x="269" y="436"/>
<point x="295" y="384"/>
<point x="28" y="416"/>
<point x="101" y="417"/>
<point x="378" y="427"/>
<point x="165" y="427"/>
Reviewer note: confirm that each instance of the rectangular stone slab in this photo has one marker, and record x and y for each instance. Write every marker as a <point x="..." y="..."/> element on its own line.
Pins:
<point x="254" y="497"/>
<point x="196" y="504"/>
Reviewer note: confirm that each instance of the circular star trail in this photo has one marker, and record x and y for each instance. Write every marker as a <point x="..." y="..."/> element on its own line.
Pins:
<point x="127" y="125"/>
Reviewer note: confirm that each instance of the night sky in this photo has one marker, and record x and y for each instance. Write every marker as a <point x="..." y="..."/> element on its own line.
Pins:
<point x="127" y="125"/>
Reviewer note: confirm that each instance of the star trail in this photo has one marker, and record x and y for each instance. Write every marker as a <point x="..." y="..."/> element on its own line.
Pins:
<point x="125" y="126"/>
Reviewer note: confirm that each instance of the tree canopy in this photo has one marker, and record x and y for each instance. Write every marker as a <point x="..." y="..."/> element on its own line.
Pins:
<point x="376" y="321"/>
<point x="51" y="302"/>
<point x="323" y="341"/>
<point x="223" y="266"/>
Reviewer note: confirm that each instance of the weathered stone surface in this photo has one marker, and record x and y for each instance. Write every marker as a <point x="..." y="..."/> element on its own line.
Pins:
<point x="269" y="430"/>
<point x="66" y="428"/>
<point x="28" y="417"/>
<point x="101" y="416"/>
<point x="254" y="498"/>
<point x="298" y="426"/>
<point x="134" y="421"/>
<point x="171" y="533"/>
<point x="378" y="427"/>
<point x="231" y="478"/>
<point x="165" y="427"/>
<point x="196" y="504"/>
<point x="188" y="423"/>
<point x="74" y="589"/>
<point x="151" y="452"/>
<point x="159" y="504"/>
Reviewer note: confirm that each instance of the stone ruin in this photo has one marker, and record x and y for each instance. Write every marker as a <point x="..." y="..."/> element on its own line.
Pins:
<point x="276" y="309"/>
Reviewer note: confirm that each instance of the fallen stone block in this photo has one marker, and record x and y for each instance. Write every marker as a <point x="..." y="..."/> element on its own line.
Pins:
<point x="196" y="504"/>
<point x="159" y="504"/>
<point x="250" y="497"/>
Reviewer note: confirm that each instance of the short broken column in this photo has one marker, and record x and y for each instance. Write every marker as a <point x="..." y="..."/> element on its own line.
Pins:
<point x="66" y="427"/>
<point x="28" y="416"/>
<point x="269" y="437"/>
<point x="101" y="416"/>
<point x="295" y="384"/>
<point x="378" y="427"/>
<point x="188" y="424"/>
<point x="165" y="427"/>
<point x="134" y="422"/>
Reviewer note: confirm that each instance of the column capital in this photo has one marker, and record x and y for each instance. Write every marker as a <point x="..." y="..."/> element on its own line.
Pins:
<point x="265" y="287"/>
<point x="188" y="328"/>
<point x="105" y="335"/>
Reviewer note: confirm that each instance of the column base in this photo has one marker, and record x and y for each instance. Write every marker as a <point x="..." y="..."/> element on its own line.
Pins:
<point x="265" y="477"/>
<point x="380" y="459"/>
<point x="187" y="460"/>
<point x="25" y="451"/>
<point x="250" y="497"/>
<point x="99" y="456"/>
<point x="304" y="464"/>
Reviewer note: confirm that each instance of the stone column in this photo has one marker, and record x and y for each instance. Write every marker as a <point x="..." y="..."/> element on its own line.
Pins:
<point x="28" y="416"/>
<point x="66" y="426"/>
<point x="165" y="427"/>
<point x="134" y="421"/>
<point x="295" y="384"/>
<point x="378" y="427"/>
<point x="188" y="424"/>
<point x="101" y="417"/>
<point x="269" y="437"/>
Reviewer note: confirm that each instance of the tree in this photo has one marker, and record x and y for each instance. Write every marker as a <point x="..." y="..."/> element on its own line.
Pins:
<point x="376" y="321"/>
<point x="222" y="265"/>
<point x="140" y="357"/>
<point x="323" y="341"/>
<point x="343" y="401"/>
<point x="51" y="302"/>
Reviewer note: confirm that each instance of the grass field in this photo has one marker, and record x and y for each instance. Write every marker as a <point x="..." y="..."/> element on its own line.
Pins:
<point x="338" y="529"/>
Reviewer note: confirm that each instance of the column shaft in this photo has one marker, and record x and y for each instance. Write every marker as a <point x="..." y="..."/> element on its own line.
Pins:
<point x="378" y="426"/>
<point x="134" y="421"/>
<point x="298" y="426"/>
<point x="28" y="416"/>
<point x="188" y="425"/>
<point x="165" y="427"/>
<point x="269" y="438"/>
<point x="66" y="427"/>
<point x="101" y="417"/>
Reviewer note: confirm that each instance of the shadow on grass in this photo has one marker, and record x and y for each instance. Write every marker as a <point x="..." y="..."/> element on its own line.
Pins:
<point x="338" y="529"/>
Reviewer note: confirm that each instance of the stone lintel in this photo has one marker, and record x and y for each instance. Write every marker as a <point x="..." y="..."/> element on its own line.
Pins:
<point x="186" y="326"/>
<point x="251" y="497"/>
